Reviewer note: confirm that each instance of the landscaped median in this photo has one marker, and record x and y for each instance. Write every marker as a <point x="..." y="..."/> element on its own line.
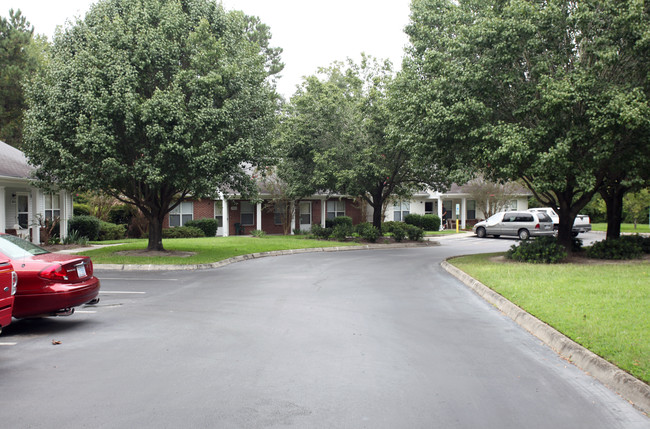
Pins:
<point x="601" y="306"/>
<point x="206" y="252"/>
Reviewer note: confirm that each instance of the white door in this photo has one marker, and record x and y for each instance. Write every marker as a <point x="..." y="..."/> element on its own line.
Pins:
<point x="218" y="215"/>
<point x="22" y="210"/>
<point x="305" y="216"/>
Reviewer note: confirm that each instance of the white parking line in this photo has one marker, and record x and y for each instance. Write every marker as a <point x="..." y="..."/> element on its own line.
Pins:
<point x="137" y="279"/>
<point x="85" y="312"/>
<point x="8" y="344"/>
<point x="109" y="292"/>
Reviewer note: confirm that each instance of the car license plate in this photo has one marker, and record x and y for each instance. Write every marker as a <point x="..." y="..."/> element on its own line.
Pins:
<point x="81" y="271"/>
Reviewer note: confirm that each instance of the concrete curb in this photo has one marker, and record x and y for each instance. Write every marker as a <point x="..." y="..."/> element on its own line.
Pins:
<point x="630" y="388"/>
<point x="139" y="267"/>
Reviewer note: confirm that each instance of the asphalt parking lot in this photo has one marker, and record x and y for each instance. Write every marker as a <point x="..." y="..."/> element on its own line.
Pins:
<point x="376" y="339"/>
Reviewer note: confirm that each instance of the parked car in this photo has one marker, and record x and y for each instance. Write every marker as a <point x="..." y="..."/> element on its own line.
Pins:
<point x="49" y="284"/>
<point x="8" y="280"/>
<point x="519" y="224"/>
<point x="582" y="223"/>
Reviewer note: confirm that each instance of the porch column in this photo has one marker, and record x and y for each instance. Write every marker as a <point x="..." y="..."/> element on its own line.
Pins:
<point x="463" y="212"/>
<point x="440" y="212"/>
<point x="64" y="214"/>
<point x="3" y="209"/>
<point x="323" y="212"/>
<point x="35" y="226"/>
<point x="293" y="217"/>
<point x="226" y="217"/>
<point x="259" y="216"/>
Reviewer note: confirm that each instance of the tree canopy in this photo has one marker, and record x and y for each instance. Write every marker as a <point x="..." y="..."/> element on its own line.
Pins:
<point x="154" y="101"/>
<point x="19" y="59"/>
<point x="549" y="92"/>
<point x="334" y="137"/>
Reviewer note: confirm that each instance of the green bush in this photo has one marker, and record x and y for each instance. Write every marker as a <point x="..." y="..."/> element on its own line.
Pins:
<point x="399" y="231"/>
<point x="258" y="233"/>
<point x="342" y="231"/>
<point x="414" y="233"/>
<point x="368" y="231"/>
<point x="341" y="220"/>
<point x="86" y="226"/>
<point x="387" y="227"/>
<point x="543" y="250"/>
<point x="413" y="219"/>
<point x="110" y="231"/>
<point x="320" y="232"/>
<point x="618" y="248"/>
<point x="208" y="226"/>
<point x="642" y="241"/>
<point x="182" y="232"/>
<point x="80" y="210"/>
<point x="430" y="222"/>
<point x="122" y="214"/>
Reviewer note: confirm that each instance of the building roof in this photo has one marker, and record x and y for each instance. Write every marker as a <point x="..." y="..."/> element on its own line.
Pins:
<point x="13" y="162"/>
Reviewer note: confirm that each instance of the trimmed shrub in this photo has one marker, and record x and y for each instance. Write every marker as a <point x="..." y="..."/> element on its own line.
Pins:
<point x="208" y="226"/>
<point x="320" y="232"/>
<point x="619" y="248"/>
<point x="414" y="233"/>
<point x="642" y="241"/>
<point x="387" y="227"/>
<point x="413" y="219"/>
<point x="341" y="220"/>
<point x="80" y="210"/>
<point x="110" y="231"/>
<point x="342" y="231"/>
<point x="543" y="250"/>
<point x="122" y="214"/>
<point x="182" y="232"/>
<point x="86" y="226"/>
<point x="368" y="231"/>
<point x="257" y="233"/>
<point x="430" y="222"/>
<point x="399" y="231"/>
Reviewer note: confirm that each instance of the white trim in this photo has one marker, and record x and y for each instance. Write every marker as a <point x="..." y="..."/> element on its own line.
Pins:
<point x="259" y="216"/>
<point x="3" y="210"/>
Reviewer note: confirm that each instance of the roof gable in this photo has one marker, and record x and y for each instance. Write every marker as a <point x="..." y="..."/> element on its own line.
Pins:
<point x="13" y="162"/>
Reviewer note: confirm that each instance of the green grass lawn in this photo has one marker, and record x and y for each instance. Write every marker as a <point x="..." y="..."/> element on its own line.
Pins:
<point x="603" y="307"/>
<point x="641" y="228"/>
<point x="208" y="249"/>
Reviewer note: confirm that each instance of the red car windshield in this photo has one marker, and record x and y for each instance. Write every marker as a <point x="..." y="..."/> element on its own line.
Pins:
<point x="15" y="247"/>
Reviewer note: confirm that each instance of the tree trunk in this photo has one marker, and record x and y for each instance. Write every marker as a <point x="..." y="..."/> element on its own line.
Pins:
<point x="377" y="214"/>
<point x="613" y="197"/>
<point x="155" y="234"/>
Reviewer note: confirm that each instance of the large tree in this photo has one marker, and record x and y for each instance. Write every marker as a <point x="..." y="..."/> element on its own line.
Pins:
<point x="514" y="89"/>
<point x="19" y="59"/>
<point x="153" y="101"/>
<point x="334" y="138"/>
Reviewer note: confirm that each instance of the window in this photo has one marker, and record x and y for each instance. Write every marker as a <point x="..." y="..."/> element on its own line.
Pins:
<point x="511" y="205"/>
<point x="400" y="210"/>
<point x="247" y="215"/>
<point x="471" y="209"/>
<point x="279" y="213"/>
<point x="52" y="207"/>
<point x="428" y="207"/>
<point x="181" y="213"/>
<point x="335" y="208"/>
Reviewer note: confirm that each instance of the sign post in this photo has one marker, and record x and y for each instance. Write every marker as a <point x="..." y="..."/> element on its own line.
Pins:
<point x="457" y="214"/>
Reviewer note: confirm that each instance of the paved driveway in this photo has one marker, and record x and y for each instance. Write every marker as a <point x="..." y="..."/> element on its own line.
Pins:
<point x="362" y="339"/>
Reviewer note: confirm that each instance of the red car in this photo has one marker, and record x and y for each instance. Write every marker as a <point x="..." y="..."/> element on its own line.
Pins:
<point x="8" y="280"/>
<point x="49" y="284"/>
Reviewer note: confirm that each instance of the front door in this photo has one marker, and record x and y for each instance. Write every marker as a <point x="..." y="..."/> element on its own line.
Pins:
<point x="305" y="216"/>
<point x="22" y="210"/>
<point x="218" y="215"/>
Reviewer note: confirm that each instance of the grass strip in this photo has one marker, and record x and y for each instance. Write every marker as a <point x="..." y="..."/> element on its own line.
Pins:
<point x="206" y="250"/>
<point x="602" y="307"/>
<point x="641" y="228"/>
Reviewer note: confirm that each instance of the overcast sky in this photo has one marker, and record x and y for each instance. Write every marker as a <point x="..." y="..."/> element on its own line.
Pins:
<point x="312" y="33"/>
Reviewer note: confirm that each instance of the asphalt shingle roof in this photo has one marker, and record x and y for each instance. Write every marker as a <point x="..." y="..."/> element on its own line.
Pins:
<point x="13" y="162"/>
